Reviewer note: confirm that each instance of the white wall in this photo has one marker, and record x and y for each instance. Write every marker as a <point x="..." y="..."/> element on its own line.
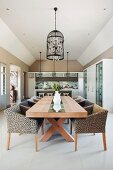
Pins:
<point x="12" y="44"/>
<point x="91" y="83"/>
<point x="108" y="84"/>
<point x="80" y="84"/>
<point x="102" y="42"/>
<point x="8" y="59"/>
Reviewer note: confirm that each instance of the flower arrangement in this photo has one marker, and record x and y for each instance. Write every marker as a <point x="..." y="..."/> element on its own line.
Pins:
<point x="56" y="87"/>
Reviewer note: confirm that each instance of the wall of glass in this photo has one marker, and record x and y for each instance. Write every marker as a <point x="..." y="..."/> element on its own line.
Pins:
<point x="99" y="83"/>
<point x="85" y="84"/>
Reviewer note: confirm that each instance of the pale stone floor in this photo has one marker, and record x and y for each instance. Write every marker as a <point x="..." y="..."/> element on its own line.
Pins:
<point x="56" y="154"/>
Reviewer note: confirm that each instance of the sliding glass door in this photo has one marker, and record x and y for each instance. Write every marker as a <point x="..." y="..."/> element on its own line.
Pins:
<point x="99" y="83"/>
<point x="85" y="84"/>
<point x="2" y="86"/>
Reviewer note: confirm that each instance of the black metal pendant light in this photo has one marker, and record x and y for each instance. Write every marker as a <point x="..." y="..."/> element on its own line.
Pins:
<point x="67" y="74"/>
<point x="53" y="73"/>
<point x="40" y="74"/>
<point x="55" y="44"/>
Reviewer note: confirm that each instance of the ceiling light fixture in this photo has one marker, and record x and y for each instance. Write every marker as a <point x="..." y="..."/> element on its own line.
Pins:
<point x="53" y="73"/>
<point x="67" y="74"/>
<point x="40" y="74"/>
<point x="55" y="44"/>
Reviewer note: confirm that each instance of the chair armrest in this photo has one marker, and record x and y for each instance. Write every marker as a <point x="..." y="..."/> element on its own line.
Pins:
<point x="94" y="123"/>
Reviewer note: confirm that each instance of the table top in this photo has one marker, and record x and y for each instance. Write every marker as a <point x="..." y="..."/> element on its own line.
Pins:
<point x="71" y="109"/>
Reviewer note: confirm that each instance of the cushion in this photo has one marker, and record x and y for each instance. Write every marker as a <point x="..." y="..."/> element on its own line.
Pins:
<point x="89" y="109"/>
<point x="25" y="103"/>
<point x="23" y="109"/>
<point x="97" y="108"/>
<point x="82" y="103"/>
<point x="36" y="100"/>
<point x="88" y="103"/>
<point x="31" y="103"/>
<point x="85" y="103"/>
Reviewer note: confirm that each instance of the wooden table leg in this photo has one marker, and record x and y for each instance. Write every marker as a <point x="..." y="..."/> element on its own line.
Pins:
<point x="57" y="126"/>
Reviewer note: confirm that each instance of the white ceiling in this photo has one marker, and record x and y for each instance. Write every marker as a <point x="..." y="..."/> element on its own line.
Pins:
<point x="79" y="21"/>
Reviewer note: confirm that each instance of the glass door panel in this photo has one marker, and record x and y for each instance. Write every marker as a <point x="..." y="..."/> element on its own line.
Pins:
<point x="99" y="83"/>
<point x="85" y="84"/>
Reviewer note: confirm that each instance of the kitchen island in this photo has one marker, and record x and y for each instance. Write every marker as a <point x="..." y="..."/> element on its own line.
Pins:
<point x="45" y="92"/>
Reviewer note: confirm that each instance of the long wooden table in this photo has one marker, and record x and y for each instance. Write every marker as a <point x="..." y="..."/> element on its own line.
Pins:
<point x="42" y="110"/>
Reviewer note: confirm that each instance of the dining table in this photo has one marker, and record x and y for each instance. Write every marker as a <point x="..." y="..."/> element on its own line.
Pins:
<point x="69" y="109"/>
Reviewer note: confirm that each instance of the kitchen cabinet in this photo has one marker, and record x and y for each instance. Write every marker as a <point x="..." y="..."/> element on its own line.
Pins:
<point x="74" y="82"/>
<point x="91" y="83"/>
<point x="31" y="84"/>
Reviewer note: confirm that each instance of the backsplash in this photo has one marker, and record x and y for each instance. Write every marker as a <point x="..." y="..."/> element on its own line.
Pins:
<point x="49" y="84"/>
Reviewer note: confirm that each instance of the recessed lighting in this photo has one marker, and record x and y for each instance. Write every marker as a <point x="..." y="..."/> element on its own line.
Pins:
<point x="24" y="34"/>
<point x="104" y="9"/>
<point x="7" y="9"/>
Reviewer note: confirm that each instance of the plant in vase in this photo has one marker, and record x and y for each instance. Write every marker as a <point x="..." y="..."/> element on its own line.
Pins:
<point x="56" y="87"/>
<point x="56" y="98"/>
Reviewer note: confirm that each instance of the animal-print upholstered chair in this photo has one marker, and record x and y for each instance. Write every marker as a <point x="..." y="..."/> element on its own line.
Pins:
<point x="94" y="123"/>
<point x="18" y="123"/>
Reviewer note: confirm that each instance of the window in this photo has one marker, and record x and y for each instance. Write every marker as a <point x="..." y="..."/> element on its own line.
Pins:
<point x="3" y="79"/>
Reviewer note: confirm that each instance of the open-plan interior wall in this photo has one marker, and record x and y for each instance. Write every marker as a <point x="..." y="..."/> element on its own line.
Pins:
<point x="8" y="59"/>
<point x="2" y="86"/>
<point x="15" y="80"/>
<point x="60" y="66"/>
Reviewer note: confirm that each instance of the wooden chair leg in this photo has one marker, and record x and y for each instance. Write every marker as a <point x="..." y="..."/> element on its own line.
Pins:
<point x="104" y="141"/>
<point x="70" y="124"/>
<point x="8" y="140"/>
<point x="76" y="138"/>
<point x="36" y="140"/>
<point x="42" y="128"/>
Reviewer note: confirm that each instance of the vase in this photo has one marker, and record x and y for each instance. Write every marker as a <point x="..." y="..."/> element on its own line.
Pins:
<point x="57" y="101"/>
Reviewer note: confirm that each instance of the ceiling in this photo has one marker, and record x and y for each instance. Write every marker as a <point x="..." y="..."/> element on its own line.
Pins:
<point x="79" y="21"/>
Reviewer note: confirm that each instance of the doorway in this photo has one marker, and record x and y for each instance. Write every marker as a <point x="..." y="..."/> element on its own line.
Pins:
<point x="3" y="98"/>
<point x="15" y="82"/>
<point x="25" y="85"/>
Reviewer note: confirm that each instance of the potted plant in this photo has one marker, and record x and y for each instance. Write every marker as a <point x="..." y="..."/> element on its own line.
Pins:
<point x="56" y="87"/>
<point x="57" y="98"/>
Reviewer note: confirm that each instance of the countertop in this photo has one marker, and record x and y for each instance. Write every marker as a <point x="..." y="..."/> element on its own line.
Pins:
<point x="66" y="89"/>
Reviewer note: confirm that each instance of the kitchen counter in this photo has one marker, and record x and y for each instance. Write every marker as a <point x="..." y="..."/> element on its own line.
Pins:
<point x="45" y="91"/>
<point x="66" y="89"/>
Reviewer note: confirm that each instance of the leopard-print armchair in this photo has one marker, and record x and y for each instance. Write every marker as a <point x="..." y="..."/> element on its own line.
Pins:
<point x="94" y="123"/>
<point x="18" y="123"/>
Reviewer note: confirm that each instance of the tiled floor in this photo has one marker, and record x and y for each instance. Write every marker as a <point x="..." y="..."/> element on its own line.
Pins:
<point x="56" y="154"/>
